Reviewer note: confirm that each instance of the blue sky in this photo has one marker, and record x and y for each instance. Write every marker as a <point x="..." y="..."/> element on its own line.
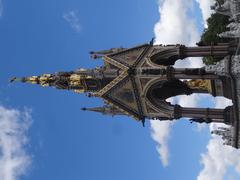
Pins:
<point x="63" y="142"/>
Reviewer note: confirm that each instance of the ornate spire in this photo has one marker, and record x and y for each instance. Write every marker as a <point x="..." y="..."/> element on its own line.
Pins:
<point x="80" y="80"/>
<point x="106" y="110"/>
<point x="43" y="80"/>
<point x="61" y="80"/>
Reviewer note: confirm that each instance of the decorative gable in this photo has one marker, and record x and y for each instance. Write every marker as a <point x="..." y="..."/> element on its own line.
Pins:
<point x="131" y="56"/>
<point x="124" y="97"/>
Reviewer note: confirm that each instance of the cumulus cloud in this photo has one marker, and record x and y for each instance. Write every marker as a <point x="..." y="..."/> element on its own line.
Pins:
<point x="73" y="19"/>
<point x="205" y="8"/>
<point x="160" y="132"/>
<point x="175" y="26"/>
<point x="218" y="158"/>
<point x="14" y="160"/>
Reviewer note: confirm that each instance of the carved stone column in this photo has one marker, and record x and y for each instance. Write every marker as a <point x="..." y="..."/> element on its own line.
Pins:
<point x="207" y="115"/>
<point x="168" y="55"/>
<point x="193" y="73"/>
<point x="221" y="50"/>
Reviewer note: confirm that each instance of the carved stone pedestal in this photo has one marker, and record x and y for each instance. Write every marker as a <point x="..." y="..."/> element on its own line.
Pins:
<point x="229" y="69"/>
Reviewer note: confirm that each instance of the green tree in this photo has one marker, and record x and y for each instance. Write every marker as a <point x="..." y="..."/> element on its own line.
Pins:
<point x="217" y="24"/>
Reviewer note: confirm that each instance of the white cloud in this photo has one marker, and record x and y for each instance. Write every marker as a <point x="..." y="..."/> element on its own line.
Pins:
<point x="218" y="158"/>
<point x="14" y="160"/>
<point x="222" y="102"/>
<point x="73" y="19"/>
<point x="1" y="8"/>
<point x="188" y="101"/>
<point x="160" y="132"/>
<point x="205" y="8"/>
<point x="174" y="27"/>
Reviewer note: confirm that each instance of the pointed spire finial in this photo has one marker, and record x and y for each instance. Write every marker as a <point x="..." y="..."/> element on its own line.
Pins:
<point x="15" y="79"/>
<point x="106" y="109"/>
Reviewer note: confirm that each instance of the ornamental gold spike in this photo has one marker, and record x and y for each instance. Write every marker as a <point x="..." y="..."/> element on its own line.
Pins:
<point x="43" y="80"/>
<point x="73" y="80"/>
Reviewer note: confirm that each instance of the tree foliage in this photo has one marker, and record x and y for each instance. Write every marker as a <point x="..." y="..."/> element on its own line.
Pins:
<point x="216" y="24"/>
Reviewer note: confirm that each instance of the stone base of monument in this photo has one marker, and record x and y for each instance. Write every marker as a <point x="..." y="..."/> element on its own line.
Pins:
<point x="229" y="70"/>
<point x="234" y="72"/>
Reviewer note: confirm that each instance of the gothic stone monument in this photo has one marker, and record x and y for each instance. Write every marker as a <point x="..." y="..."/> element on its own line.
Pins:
<point x="137" y="81"/>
